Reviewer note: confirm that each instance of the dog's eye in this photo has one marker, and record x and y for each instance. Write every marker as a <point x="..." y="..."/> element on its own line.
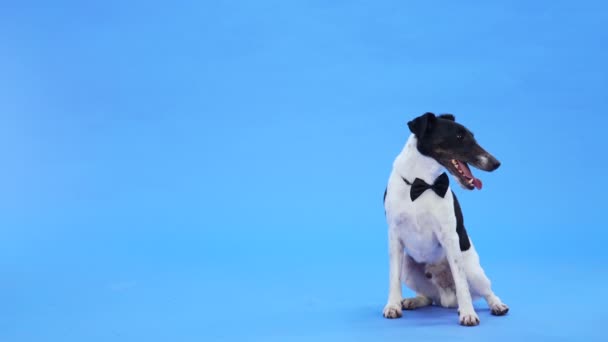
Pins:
<point x="460" y="136"/>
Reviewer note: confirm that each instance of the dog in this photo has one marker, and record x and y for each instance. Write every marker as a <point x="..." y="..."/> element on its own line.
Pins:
<point x="429" y="249"/>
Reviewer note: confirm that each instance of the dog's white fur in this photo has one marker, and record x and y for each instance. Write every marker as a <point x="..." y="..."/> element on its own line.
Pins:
<point x="423" y="239"/>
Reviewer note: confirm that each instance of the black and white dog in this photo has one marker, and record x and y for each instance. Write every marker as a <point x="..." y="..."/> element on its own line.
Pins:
<point x="429" y="248"/>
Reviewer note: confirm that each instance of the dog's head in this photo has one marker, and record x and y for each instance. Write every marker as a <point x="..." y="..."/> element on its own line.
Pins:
<point x="453" y="146"/>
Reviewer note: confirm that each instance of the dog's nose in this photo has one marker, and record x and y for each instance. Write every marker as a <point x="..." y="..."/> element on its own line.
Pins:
<point x="496" y="165"/>
<point x="488" y="162"/>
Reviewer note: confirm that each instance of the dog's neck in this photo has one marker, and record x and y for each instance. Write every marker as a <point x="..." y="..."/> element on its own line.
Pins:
<point x="411" y="164"/>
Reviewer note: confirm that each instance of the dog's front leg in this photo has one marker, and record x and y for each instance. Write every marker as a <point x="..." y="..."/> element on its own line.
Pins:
<point x="449" y="241"/>
<point x="395" y="251"/>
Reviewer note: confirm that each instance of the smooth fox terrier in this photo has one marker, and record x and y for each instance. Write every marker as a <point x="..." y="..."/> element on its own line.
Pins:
<point x="429" y="249"/>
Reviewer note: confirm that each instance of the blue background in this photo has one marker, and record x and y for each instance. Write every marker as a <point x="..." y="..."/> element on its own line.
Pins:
<point x="214" y="170"/>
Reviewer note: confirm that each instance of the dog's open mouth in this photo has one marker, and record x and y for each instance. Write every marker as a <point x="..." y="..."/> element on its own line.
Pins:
<point x="464" y="175"/>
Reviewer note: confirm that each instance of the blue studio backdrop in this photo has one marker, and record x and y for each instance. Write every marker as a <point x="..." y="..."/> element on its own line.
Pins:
<point x="214" y="170"/>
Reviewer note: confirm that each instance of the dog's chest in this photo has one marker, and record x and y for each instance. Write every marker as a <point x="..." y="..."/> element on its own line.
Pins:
<point x="416" y="232"/>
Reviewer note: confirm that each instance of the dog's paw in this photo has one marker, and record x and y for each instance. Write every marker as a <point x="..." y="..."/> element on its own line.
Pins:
<point x="409" y="304"/>
<point x="469" y="319"/>
<point x="415" y="303"/>
<point x="499" y="309"/>
<point x="392" y="311"/>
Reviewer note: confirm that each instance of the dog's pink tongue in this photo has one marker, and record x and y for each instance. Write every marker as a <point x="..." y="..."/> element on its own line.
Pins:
<point x="477" y="182"/>
<point x="469" y="175"/>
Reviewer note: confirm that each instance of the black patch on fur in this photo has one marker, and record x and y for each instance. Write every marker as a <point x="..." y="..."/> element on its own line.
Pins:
<point x="463" y="238"/>
<point x="450" y="117"/>
<point x="423" y="124"/>
<point x="443" y="139"/>
<point x="385" y="190"/>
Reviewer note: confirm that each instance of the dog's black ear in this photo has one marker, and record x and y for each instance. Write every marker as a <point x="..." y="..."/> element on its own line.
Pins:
<point x="446" y="116"/>
<point x="422" y="124"/>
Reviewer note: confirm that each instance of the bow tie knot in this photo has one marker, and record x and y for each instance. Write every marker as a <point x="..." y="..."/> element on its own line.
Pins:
<point x="440" y="186"/>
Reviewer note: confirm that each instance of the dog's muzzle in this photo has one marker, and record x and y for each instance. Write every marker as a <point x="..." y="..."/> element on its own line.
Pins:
<point x="487" y="162"/>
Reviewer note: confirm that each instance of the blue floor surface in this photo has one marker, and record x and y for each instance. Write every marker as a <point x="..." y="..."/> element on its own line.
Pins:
<point x="214" y="170"/>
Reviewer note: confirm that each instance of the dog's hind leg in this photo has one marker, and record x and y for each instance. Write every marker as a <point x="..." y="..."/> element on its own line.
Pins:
<point x="413" y="275"/>
<point x="441" y="275"/>
<point x="480" y="284"/>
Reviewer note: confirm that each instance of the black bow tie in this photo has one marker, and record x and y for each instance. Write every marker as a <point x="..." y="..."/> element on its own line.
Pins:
<point x="440" y="186"/>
